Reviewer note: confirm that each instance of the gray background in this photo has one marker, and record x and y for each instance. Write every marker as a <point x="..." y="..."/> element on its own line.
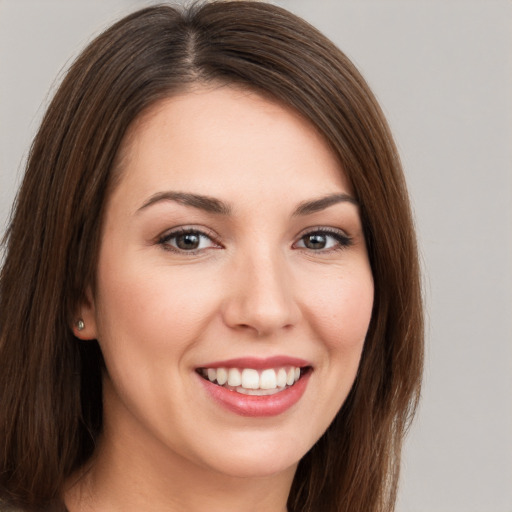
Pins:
<point x="442" y="70"/>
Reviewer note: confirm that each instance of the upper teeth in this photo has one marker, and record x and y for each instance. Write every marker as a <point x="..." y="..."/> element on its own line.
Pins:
<point x="250" y="379"/>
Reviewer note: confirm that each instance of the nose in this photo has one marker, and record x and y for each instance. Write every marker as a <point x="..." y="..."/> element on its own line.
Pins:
<point x="260" y="298"/>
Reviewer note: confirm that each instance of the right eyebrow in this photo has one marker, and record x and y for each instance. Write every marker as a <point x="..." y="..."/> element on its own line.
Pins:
<point x="206" y="203"/>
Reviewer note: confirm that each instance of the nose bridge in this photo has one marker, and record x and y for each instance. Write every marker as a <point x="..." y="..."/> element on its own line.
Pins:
<point x="262" y="298"/>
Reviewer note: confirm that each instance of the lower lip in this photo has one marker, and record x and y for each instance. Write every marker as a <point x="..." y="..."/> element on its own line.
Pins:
<point x="250" y="405"/>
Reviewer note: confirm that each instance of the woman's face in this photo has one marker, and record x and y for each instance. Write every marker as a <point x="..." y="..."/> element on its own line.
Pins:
<point x="232" y="249"/>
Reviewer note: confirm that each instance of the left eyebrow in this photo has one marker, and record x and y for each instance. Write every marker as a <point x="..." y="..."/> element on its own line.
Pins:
<point x="316" y="205"/>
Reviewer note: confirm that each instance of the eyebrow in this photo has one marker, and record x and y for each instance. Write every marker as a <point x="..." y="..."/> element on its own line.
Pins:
<point x="206" y="203"/>
<point x="213" y="205"/>
<point x="309" y="207"/>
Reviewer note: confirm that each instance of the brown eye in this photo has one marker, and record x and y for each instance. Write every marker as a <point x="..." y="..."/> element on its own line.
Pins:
<point x="315" y="241"/>
<point x="324" y="240"/>
<point x="186" y="240"/>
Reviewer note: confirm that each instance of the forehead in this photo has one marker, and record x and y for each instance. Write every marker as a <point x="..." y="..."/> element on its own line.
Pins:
<point x="217" y="139"/>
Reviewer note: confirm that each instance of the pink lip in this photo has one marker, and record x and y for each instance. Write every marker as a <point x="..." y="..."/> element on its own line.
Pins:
<point x="251" y="405"/>
<point x="258" y="363"/>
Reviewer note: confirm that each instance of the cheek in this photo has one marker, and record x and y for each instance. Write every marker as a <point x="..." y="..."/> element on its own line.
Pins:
<point x="341" y="310"/>
<point x="149" y="317"/>
<point x="143" y="307"/>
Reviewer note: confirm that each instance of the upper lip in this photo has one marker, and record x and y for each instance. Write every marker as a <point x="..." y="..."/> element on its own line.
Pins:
<point x="258" y="363"/>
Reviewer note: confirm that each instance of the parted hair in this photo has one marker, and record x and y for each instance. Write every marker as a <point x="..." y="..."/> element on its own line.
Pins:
<point x="50" y="382"/>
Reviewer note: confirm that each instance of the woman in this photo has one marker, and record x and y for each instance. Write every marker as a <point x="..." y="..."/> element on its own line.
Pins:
<point x="210" y="297"/>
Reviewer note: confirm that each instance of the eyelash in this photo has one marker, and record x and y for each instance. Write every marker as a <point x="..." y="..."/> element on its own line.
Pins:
<point x="164" y="240"/>
<point x="342" y="240"/>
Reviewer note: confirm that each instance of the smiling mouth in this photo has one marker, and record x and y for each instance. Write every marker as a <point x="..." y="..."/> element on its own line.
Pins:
<point x="249" y="381"/>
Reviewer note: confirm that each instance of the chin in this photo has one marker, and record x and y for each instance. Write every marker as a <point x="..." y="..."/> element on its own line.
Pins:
<point x="259" y="458"/>
<point x="258" y="467"/>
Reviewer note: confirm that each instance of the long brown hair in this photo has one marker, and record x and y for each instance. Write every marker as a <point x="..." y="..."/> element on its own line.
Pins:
<point x="50" y="383"/>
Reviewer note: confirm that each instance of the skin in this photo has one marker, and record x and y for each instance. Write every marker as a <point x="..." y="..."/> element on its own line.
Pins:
<point x="254" y="287"/>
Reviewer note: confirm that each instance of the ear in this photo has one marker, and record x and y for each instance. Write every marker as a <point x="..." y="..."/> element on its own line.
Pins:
<point x="84" y="323"/>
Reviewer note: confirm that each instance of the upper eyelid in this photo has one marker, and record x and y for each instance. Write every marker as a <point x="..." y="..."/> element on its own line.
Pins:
<point x="169" y="233"/>
<point x="323" y="229"/>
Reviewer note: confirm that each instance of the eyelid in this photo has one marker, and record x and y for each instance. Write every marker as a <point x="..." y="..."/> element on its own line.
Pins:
<point x="168" y="234"/>
<point x="344" y="240"/>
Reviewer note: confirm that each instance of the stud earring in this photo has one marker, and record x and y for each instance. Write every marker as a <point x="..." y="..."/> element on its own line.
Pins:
<point x="80" y="325"/>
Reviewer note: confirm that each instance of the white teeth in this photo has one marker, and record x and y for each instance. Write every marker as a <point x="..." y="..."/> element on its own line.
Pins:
<point x="253" y="382"/>
<point x="222" y="376"/>
<point x="268" y="379"/>
<point x="281" y="378"/>
<point x="250" y="379"/>
<point x="257" y="392"/>
<point x="234" y="377"/>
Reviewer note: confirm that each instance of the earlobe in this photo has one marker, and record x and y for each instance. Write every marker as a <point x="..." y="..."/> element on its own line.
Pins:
<point x="84" y="324"/>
